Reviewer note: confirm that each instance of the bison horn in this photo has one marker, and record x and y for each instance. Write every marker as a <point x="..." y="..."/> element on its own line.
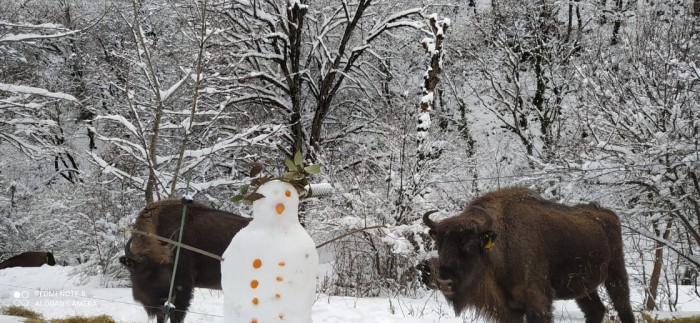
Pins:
<point x="426" y="219"/>
<point x="127" y="247"/>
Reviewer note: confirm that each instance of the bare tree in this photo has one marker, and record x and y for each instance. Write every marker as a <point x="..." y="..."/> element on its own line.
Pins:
<point x="641" y="116"/>
<point x="527" y="75"/>
<point x="34" y="110"/>
<point x="162" y="131"/>
<point x="425" y="151"/>
<point x="305" y="56"/>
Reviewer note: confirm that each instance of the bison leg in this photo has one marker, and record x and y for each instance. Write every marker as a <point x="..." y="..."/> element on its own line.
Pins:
<point x="183" y="289"/>
<point x="511" y="316"/>
<point x="592" y="307"/>
<point x="160" y="318"/>
<point x="535" y="316"/>
<point x="183" y="297"/>
<point x="618" y="288"/>
<point x="538" y="308"/>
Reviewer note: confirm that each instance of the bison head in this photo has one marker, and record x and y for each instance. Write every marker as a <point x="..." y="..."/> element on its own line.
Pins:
<point x="463" y="243"/>
<point x="127" y="259"/>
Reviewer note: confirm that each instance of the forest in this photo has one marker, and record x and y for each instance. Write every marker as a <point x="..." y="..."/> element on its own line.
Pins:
<point x="406" y="105"/>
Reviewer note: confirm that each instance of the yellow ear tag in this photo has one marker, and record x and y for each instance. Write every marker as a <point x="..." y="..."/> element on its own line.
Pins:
<point x="489" y="244"/>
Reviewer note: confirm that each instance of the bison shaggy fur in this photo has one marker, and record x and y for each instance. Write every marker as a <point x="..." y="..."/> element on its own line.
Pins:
<point x="510" y="253"/>
<point x="151" y="262"/>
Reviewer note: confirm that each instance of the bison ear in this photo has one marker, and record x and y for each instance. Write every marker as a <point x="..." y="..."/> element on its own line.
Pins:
<point x="487" y="239"/>
<point x="432" y="234"/>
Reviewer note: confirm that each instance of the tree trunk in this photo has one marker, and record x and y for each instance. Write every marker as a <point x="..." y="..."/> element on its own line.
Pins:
<point x="570" y="21"/>
<point x="650" y="303"/>
<point x="430" y="81"/>
<point x="617" y="23"/>
<point x="603" y="19"/>
<point x="653" y="288"/>
<point x="295" y="25"/>
<point x="330" y="83"/>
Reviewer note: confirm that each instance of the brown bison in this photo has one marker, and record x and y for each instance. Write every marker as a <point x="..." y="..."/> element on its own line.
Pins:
<point x="510" y="253"/>
<point x="29" y="259"/>
<point x="150" y="262"/>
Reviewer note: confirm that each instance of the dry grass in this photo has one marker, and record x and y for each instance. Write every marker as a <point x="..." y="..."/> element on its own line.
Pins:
<point x="34" y="317"/>
<point x="30" y="315"/>
<point x="647" y="318"/>
<point x="83" y="319"/>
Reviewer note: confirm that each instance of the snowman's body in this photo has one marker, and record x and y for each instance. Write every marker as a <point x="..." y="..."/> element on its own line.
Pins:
<point x="269" y="268"/>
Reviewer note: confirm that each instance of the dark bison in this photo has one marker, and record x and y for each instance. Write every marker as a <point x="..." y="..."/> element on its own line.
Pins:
<point x="510" y="253"/>
<point x="150" y="262"/>
<point x="29" y="259"/>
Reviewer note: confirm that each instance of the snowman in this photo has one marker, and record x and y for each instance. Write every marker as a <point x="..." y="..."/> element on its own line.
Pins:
<point x="269" y="269"/>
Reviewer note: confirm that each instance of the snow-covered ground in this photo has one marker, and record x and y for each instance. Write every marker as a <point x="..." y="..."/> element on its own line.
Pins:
<point x="55" y="292"/>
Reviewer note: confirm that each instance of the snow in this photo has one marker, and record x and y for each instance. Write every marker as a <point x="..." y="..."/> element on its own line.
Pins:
<point x="37" y="91"/>
<point x="424" y="121"/>
<point x="297" y="3"/>
<point x="39" y="26"/>
<point x="66" y="294"/>
<point x="393" y="21"/>
<point x="427" y="99"/>
<point x="269" y="269"/>
<point x="428" y="44"/>
<point x="31" y="36"/>
<point x="165" y="95"/>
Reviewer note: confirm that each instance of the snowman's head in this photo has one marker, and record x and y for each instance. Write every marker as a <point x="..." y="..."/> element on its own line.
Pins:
<point x="279" y="205"/>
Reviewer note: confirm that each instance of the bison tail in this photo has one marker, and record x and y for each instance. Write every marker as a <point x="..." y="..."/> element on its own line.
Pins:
<point x="617" y="285"/>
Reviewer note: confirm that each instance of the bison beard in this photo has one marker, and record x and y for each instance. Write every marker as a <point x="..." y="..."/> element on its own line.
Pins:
<point x="510" y="253"/>
<point x="150" y="262"/>
<point x="29" y="259"/>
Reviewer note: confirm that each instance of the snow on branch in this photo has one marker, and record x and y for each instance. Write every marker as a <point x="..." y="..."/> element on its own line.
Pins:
<point x="11" y="38"/>
<point x="40" y="26"/>
<point x="22" y="89"/>
<point x="256" y="54"/>
<point x="22" y="145"/>
<point x="27" y="37"/>
<point x="239" y="140"/>
<point x="278" y="101"/>
<point x="123" y="121"/>
<point x="165" y="95"/>
<point x="116" y="172"/>
<point x="391" y="22"/>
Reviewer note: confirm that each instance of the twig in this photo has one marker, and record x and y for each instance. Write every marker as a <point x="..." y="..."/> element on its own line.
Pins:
<point x="349" y="233"/>
<point x="665" y="243"/>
